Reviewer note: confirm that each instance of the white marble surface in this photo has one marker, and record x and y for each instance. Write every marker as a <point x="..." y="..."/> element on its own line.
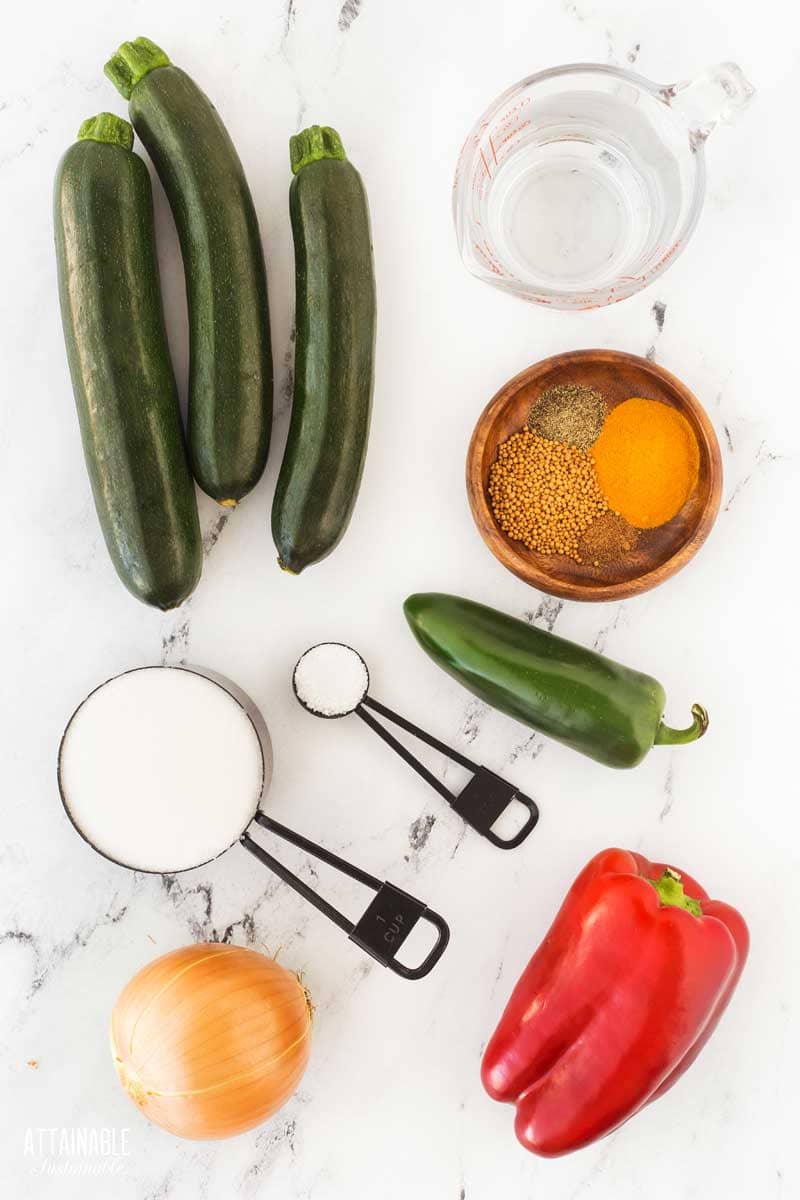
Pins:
<point x="391" y="1105"/>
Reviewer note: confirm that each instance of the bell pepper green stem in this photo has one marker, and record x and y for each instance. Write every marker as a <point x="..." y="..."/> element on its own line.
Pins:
<point x="670" y="892"/>
<point x="107" y="127"/>
<point x="132" y="62"/>
<point x="681" y="737"/>
<point x="314" y="143"/>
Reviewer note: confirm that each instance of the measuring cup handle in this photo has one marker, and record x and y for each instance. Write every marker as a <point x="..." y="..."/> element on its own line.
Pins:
<point x="428" y="963"/>
<point x="386" y="924"/>
<point x="716" y="95"/>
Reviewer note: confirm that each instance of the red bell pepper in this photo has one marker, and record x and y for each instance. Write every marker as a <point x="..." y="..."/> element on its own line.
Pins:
<point x="619" y="999"/>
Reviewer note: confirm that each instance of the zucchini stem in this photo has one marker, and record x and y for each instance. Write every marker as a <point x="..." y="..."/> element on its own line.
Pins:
<point x="681" y="737"/>
<point x="312" y="144"/>
<point x="107" y="127"/>
<point x="132" y="62"/>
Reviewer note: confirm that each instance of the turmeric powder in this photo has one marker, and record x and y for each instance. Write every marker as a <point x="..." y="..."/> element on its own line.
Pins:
<point x="646" y="459"/>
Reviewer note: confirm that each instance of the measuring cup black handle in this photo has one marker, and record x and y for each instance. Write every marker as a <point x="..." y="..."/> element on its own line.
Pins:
<point x="388" y="919"/>
<point x="387" y="922"/>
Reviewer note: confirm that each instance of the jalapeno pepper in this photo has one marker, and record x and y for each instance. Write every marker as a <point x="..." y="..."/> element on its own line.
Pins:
<point x="598" y="707"/>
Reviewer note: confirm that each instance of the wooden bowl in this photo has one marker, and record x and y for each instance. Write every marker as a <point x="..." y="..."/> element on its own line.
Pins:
<point x="660" y="552"/>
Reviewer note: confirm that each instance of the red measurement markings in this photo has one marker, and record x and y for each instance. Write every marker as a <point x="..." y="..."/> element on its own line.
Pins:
<point x="485" y="252"/>
<point x="460" y="164"/>
<point x="518" y="128"/>
<point x="665" y="257"/>
<point x="479" y="182"/>
<point x="502" y="139"/>
<point x="513" y="133"/>
<point x="508" y="115"/>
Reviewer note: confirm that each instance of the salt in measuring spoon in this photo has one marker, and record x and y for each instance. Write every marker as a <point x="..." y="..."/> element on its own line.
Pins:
<point x="331" y="680"/>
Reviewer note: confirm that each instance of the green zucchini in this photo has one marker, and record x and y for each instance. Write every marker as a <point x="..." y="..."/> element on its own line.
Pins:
<point x="230" y="367"/>
<point x="334" y="351"/>
<point x="119" y="360"/>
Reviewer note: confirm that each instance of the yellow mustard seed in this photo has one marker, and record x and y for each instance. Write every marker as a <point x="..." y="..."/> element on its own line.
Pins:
<point x="544" y="494"/>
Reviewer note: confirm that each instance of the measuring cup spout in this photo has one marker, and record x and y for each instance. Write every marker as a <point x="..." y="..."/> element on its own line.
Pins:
<point x="716" y="95"/>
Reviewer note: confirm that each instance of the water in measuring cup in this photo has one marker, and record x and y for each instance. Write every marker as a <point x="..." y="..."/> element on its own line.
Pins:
<point x="588" y="193"/>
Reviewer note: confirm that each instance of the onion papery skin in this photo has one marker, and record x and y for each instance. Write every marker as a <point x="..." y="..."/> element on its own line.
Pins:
<point x="211" y="1039"/>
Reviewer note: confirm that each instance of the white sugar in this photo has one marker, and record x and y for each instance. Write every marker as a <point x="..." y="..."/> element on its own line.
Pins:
<point x="331" y="679"/>
<point x="161" y="769"/>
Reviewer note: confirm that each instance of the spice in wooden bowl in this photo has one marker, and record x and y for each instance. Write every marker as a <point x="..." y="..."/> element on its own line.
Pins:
<point x="659" y="552"/>
<point x="607" y="540"/>
<point x="569" y="412"/>
<point x="547" y="491"/>
<point x="544" y="494"/>
<point x="647" y="459"/>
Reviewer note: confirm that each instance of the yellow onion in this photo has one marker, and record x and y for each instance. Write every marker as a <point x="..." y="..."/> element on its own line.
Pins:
<point x="211" y="1039"/>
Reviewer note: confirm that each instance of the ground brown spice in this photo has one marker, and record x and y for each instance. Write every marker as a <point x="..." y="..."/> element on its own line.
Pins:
<point x="569" y="412"/>
<point x="606" y="540"/>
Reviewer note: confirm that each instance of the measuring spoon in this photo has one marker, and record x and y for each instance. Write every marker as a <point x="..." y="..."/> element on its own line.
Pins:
<point x="331" y="680"/>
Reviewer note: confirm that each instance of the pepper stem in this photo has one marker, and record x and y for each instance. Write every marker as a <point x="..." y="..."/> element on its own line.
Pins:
<point x="314" y="143"/>
<point x="681" y="737"/>
<point x="670" y="891"/>
<point x="132" y="62"/>
<point x="107" y="127"/>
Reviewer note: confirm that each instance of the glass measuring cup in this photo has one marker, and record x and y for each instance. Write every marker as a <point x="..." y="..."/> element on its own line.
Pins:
<point x="581" y="184"/>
